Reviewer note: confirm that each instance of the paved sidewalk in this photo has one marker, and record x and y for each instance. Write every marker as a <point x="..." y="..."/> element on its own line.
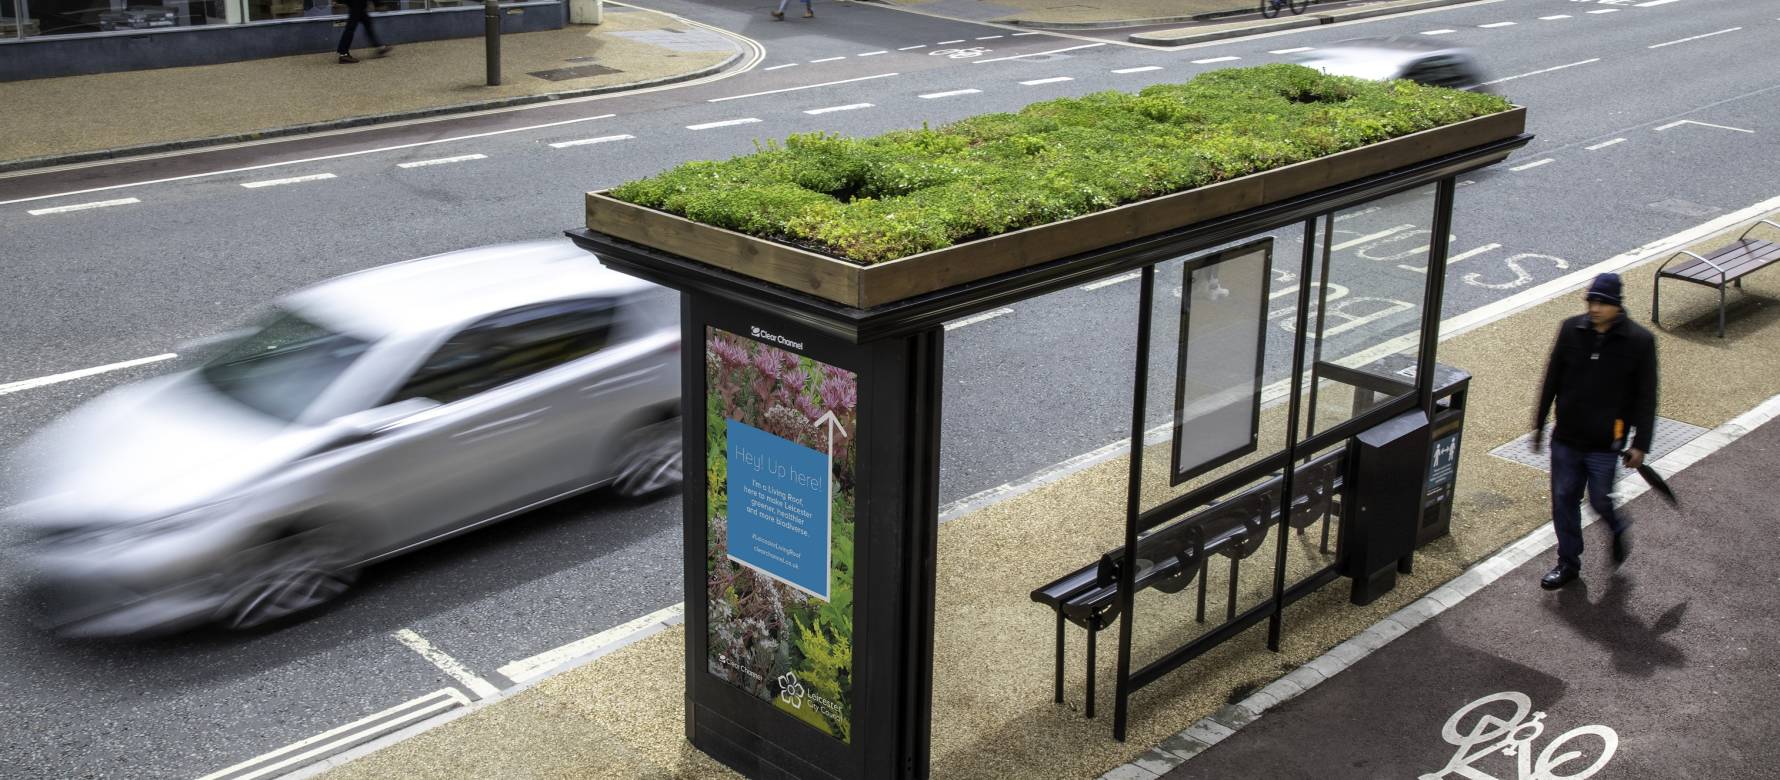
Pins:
<point x="1189" y="16"/>
<point x="85" y="116"/>
<point x="1665" y="662"/>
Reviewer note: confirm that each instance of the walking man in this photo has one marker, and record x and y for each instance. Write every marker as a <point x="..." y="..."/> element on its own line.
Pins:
<point x="1602" y="374"/>
<point x="807" y="12"/>
<point x="358" y="12"/>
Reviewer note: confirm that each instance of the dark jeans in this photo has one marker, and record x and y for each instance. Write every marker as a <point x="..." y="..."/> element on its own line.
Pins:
<point x="1571" y="469"/>
<point x="358" y="13"/>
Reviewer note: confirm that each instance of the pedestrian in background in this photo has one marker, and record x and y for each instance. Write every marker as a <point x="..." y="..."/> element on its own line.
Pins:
<point x="358" y="12"/>
<point x="1602" y="376"/>
<point x="808" y="13"/>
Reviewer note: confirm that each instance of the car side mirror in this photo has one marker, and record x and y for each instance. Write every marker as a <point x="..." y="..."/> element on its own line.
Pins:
<point x="368" y="424"/>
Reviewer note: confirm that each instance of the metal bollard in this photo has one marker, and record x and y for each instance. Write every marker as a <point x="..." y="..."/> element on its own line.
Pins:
<point x="491" y="18"/>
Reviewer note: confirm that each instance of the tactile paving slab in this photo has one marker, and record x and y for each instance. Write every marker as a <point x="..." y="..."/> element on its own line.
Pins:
<point x="1670" y="434"/>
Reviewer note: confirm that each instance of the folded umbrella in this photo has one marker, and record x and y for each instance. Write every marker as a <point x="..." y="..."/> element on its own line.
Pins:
<point x="1658" y="484"/>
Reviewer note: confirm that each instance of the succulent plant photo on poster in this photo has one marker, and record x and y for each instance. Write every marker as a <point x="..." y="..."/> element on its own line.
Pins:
<point x="779" y="460"/>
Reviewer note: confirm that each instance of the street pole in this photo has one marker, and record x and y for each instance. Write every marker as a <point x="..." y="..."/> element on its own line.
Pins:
<point x="491" y="18"/>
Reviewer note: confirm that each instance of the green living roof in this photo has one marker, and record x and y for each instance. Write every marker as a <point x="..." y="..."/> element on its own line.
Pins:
<point x="871" y="200"/>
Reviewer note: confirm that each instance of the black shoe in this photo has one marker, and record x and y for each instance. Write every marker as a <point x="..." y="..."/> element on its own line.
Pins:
<point x="1622" y="546"/>
<point x="347" y="59"/>
<point x="383" y="51"/>
<point x="1558" y="577"/>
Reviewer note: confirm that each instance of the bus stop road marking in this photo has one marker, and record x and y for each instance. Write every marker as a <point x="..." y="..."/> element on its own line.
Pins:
<point x="594" y="646"/>
<point x="1673" y="125"/>
<point x="450" y="666"/>
<point x="362" y="730"/>
<point x="985" y="316"/>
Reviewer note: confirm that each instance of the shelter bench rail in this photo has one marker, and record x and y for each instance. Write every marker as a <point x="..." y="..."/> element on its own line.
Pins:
<point x="1728" y="265"/>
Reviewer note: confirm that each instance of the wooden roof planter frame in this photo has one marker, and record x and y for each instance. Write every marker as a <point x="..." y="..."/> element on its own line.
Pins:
<point x="856" y="286"/>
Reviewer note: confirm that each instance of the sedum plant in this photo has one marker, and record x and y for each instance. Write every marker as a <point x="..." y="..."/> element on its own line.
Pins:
<point x="872" y="200"/>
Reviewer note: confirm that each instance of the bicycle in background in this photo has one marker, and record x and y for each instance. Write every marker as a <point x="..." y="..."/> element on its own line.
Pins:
<point x="1270" y="8"/>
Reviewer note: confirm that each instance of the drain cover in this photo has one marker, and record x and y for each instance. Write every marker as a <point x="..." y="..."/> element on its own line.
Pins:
<point x="1670" y="434"/>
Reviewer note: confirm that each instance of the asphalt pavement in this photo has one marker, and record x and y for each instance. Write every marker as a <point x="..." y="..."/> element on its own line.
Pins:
<point x="197" y="252"/>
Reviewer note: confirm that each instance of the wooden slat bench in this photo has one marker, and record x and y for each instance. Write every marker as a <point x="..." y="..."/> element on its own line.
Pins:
<point x="1726" y="266"/>
<point x="1174" y="556"/>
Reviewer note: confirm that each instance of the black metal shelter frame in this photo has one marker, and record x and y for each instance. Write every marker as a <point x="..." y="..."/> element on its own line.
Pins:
<point x="898" y="350"/>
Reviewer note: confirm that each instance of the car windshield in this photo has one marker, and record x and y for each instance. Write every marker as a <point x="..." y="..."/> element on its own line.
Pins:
<point x="284" y="365"/>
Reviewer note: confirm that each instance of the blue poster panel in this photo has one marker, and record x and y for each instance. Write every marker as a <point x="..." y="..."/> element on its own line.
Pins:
<point x="779" y="460"/>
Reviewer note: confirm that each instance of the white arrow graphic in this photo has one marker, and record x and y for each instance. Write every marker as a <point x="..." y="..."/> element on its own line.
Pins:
<point x="833" y="424"/>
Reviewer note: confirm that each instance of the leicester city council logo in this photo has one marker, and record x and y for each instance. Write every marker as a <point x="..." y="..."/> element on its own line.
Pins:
<point x="790" y="690"/>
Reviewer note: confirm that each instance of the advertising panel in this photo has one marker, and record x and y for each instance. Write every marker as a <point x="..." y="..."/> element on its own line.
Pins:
<point x="779" y="467"/>
<point x="1223" y="340"/>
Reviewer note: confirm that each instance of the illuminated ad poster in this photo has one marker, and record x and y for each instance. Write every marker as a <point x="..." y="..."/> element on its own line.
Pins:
<point x="779" y="459"/>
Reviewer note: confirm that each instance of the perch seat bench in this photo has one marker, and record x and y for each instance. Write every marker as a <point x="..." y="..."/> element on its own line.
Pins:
<point x="1171" y="558"/>
<point x="1726" y="266"/>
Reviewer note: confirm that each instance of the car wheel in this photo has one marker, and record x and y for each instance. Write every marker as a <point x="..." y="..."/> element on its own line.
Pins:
<point x="293" y="573"/>
<point x="649" y="460"/>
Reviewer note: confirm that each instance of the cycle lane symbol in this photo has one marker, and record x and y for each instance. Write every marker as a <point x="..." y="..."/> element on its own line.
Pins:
<point x="959" y="54"/>
<point x="1513" y="737"/>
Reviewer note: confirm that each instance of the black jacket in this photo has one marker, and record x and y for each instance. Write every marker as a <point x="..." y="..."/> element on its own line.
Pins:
<point x="1598" y="380"/>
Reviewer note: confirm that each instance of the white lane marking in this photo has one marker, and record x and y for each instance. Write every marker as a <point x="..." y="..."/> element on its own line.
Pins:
<point x="1604" y="144"/>
<point x="873" y="53"/>
<point x="777" y="67"/>
<point x="1537" y="72"/>
<point x="450" y="666"/>
<point x="429" y="705"/>
<point x="322" y="158"/>
<point x="1533" y="164"/>
<point x="1606" y="11"/>
<point x="1702" y="124"/>
<point x="1494" y="25"/>
<point x="912" y="48"/>
<point x="1016" y="35"/>
<point x="1467" y="183"/>
<point x="604" y="641"/>
<point x="724" y="123"/>
<point x="98" y="204"/>
<point x="1373" y="237"/>
<point x="1210" y="60"/>
<point x="28" y="384"/>
<point x="1694" y="38"/>
<point x="942" y="43"/>
<point x="1351" y="214"/>
<point x="832" y="109"/>
<point x="828" y="59"/>
<point x="253" y="185"/>
<point x="1038" y="53"/>
<point x="806" y="86"/>
<point x="1554" y="17"/>
<point x="1653" y="3"/>
<point x="1442" y="31"/>
<point x="1051" y="80"/>
<point x="953" y="93"/>
<point x="1110" y="282"/>
<point x="1294" y="50"/>
<point x="990" y="37"/>
<point x="988" y="315"/>
<point x="1451" y="260"/>
<point x="1138" y="70"/>
<point x="442" y="161"/>
<point x="585" y="141"/>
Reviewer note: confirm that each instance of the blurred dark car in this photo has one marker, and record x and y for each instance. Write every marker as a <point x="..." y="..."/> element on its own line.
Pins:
<point x="362" y="418"/>
<point x="1384" y="59"/>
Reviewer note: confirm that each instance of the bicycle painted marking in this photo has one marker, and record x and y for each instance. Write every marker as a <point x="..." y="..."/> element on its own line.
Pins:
<point x="959" y="54"/>
<point x="1513" y="737"/>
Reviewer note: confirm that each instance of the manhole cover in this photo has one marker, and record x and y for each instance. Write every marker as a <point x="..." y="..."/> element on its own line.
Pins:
<point x="1670" y="434"/>
<point x="574" y="72"/>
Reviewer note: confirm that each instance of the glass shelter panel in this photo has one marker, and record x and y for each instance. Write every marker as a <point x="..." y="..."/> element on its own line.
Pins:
<point x="73" y="17"/>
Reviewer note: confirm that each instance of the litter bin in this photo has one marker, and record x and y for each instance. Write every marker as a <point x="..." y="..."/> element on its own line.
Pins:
<point x="1393" y="375"/>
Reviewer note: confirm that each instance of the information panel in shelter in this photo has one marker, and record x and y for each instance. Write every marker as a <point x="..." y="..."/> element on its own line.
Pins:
<point x="779" y="466"/>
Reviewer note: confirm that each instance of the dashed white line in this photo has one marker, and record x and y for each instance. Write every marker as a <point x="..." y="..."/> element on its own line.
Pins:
<point x="724" y="123"/>
<point x="989" y="37"/>
<point x="1037" y="53"/>
<point x="1110" y="282"/>
<point x="1017" y="35"/>
<point x="585" y="141"/>
<point x="988" y="315"/>
<point x="442" y="161"/>
<point x="1693" y="38"/>
<point x="1537" y="72"/>
<point x="828" y="59"/>
<point x="27" y="384"/>
<point x="832" y="109"/>
<point x="97" y="204"/>
<point x="1210" y="60"/>
<point x="1467" y="183"/>
<point x="1653" y="3"/>
<point x="953" y="93"/>
<point x="252" y="185"/>
<point x="1138" y="70"/>
<point x="777" y="67"/>
<point x="872" y="53"/>
<point x="1371" y="237"/>
<point x="1606" y="11"/>
<point x="1604" y="144"/>
<point x="1294" y="50"/>
<point x="450" y="666"/>
<point x="912" y="48"/>
<point x="1438" y="32"/>
<point x="1494" y="25"/>
<point x="1051" y="80"/>
<point x="806" y="86"/>
<point x="942" y="43"/>
<point x="1554" y="17"/>
<point x="1533" y="164"/>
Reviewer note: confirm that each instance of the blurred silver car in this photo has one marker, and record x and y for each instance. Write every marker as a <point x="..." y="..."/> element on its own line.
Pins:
<point x="1396" y="57"/>
<point x="361" y="419"/>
